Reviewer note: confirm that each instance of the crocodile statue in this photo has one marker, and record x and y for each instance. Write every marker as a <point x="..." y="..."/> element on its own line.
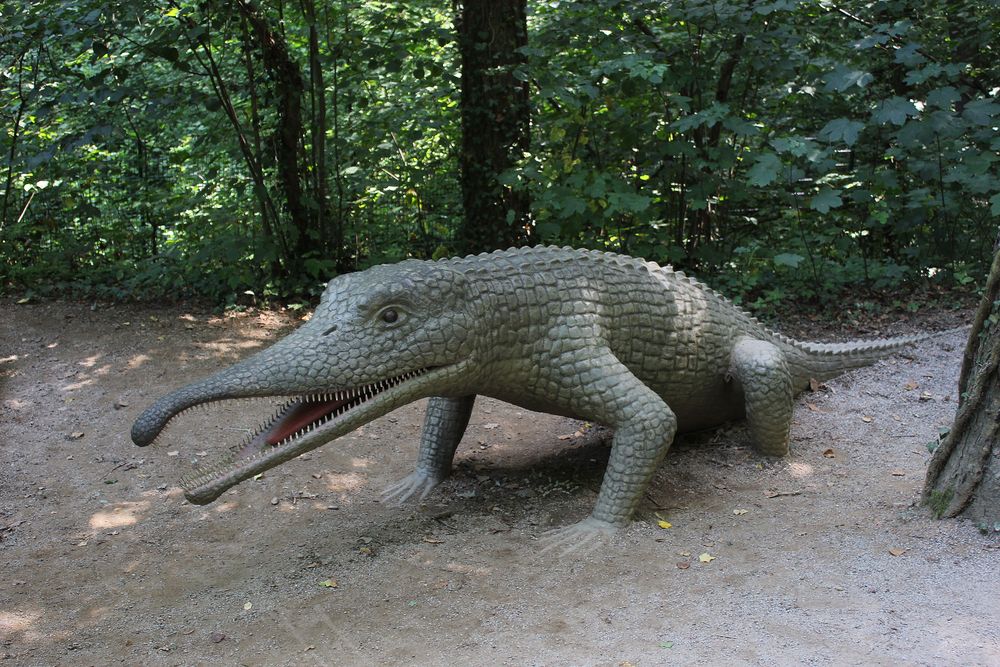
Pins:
<point x="587" y="334"/>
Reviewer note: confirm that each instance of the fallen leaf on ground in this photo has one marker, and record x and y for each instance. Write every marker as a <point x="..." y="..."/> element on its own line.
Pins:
<point x="173" y="453"/>
<point x="830" y="454"/>
<point x="664" y="524"/>
<point x="898" y="473"/>
<point x="76" y="435"/>
<point x="773" y="493"/>
<point x="247" y="606"/>
<point x="740" y="512"/>
<point x="910" y="386"/>
<point x="666" y="644"/>
<point x="897" y="551"/>
<point x="430" y="539"/>
<point x="217" y="637"/>
<point x="814" y="408"/>
<point x="868" y="419"/>
<point x="683" y="565"/>
<point x="684" y="553"/>
<point x="706" y="558"/>
<point x="328" y="583"/>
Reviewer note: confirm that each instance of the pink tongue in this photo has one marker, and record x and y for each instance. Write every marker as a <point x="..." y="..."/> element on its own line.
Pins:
<point x="300" y="416"/>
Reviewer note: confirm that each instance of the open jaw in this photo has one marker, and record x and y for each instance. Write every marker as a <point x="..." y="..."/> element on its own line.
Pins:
<point x="303" y="423"/>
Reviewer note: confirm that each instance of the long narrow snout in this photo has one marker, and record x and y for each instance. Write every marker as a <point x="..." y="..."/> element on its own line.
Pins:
<point x="285" y="368"/>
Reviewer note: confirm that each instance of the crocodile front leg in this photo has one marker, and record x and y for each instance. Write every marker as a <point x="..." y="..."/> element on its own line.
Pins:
<point x="596" y="385"/>
<point x="444" y="425"/>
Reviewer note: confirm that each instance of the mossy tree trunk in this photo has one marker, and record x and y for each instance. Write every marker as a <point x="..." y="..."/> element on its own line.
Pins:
<point x="496" y="123"/>
<point x="963" y="478"/>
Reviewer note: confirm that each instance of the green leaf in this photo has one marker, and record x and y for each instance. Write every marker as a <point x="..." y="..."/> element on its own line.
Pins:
<point x="765" y="170"/>
<point x="995" y="204"/>
<point x="842" y="78"/>
<point x="796" y="146"/>
<point x="943" y="97"/>
<point x="788" y="259"/>
<point x="909" y="55"/>
<point x="825" y="199"/>
<point x="841" y="129"/>
<point x="980" y="112"/>
<point x="627" y="202"/>
<point x="707" y="117"/>
<point x="894" y="110"/>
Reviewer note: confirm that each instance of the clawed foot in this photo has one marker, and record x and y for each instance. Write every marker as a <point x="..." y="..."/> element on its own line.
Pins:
<point x="417" y="484"/>
<point x="580" y="539"/>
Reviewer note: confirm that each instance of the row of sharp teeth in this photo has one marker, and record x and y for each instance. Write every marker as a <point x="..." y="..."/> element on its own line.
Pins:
<point x="364" y="393"/>
<point x="210" y="406"/>
<point x="347" y="395"/>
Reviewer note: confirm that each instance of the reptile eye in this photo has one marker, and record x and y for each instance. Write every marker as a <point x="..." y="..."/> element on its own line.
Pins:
<point x="389" y="315"/>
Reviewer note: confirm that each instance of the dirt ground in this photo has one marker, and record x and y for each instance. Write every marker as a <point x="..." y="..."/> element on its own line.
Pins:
<point x="822" y="558"/>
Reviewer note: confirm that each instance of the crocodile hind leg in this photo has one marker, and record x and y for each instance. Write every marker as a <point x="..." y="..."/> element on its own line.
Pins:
<point x="444" y="425"/>
<point x="600" y="387"/>
<point x="767" y="389"/>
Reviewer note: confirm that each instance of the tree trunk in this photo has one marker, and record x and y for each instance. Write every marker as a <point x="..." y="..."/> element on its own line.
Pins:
<point x="963" y="478"/>
<point x="496" y="123"/>
<point x="331" y="247"/>
<point x="288" y="89"/>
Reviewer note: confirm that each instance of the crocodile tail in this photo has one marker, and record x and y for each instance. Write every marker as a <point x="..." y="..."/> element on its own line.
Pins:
<point x="822" y="361"/>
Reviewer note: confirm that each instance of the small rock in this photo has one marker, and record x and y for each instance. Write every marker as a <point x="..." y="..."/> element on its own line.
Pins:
<point x="274" y="501"/>
<point x="217" y="637"/>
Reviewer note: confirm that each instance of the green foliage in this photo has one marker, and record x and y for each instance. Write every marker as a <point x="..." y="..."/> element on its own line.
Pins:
<point x="781" y="149"/>
<point x="939" y="501"/>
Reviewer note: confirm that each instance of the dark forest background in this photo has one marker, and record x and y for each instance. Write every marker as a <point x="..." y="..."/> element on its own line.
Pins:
<point x="252" y="149"/>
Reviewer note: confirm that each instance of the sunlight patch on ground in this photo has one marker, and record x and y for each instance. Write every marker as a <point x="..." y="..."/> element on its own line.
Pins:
<point x="344" y="482"/>
<point x="465" y="568"/>
<point x="16" y="404"/>
<point x="79" y="385"/>
<point x="228" y="346"/>
<point x="21" y="623"/>
<point x="8" y="360"/>
<point x="360" y="463"/>
<point x="89" y="379"/>
<point x="137" y="361"/>
<point x="90" y="361"/>
<point x="98" y="613"/>
<point x="800" y="470"/>
<point x="122" y="514"/>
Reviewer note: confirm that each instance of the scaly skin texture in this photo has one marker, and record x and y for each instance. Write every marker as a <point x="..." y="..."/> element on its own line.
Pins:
<point x="593" y="335"/>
